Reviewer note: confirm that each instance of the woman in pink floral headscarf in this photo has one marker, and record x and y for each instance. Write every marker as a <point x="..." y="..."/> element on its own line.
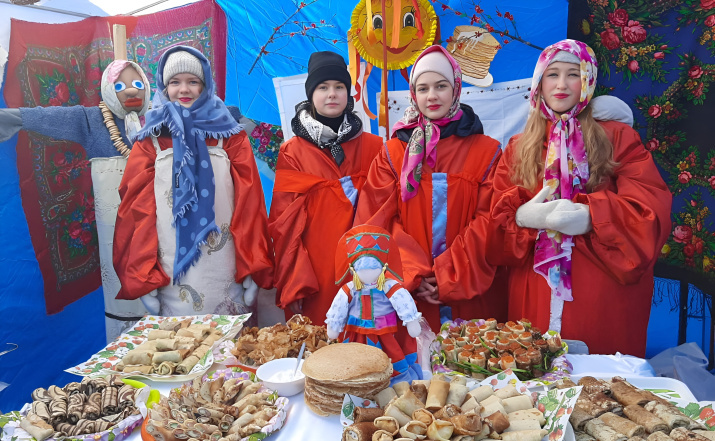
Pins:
<point x="430" y="187"/>
<point x="580" y="212"/>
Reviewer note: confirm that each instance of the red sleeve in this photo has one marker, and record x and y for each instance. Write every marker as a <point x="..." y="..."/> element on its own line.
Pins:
<point x="631" y="217"/>
<point x="379" y="205"/>
<point x="463" y="271"/>
<point x="507" y="243"/>
<point x="294" y="276"/>
<point x="135" y="238"/>
<point x="249" y="225"/>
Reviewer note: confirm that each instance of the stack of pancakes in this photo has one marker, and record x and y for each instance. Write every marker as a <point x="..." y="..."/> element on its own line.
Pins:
<point x="344" y="368"/>
<point x="474" y="49"/>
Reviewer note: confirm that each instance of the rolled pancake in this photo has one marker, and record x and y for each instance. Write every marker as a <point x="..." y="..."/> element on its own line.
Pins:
<point x="522" y="402"/>
<point x="658" y="436"/>
<point x="138" y="357"/>
<point x="524" y="435"/>
<point x="470" y="424"/>
<point x="579" y="418"/>
<point x="583" y="436"/>
<point x="683" y="434"/>
<point x="481" y="393"/>
<point x="139" y="369"/>
<point x="447" y="412"/>
<point x="37" y="427"/>
<point x="492" y="408"/>
<point x="471" y="404"/>
<point x="527" y="414"/>
<point x="401" y="387"/>
<point x="497" y="422"/>
<point x="592" y="385"/>
<point x="456" y="393"/>
<point x="603" y="432"/>
<point x="639" y="415"/>
<point x="167" y="344"/>
<point x="165" y="368"/>
<point x="362" y="414"/>
<point x="408" y="402"/>
<point x="156" y="334"/>
<point x="626" y="394"/>
<point x="359" y="432"/>
<point x="507" y="392"/>
<point x="384" y="396"/>
<point x="388" y="424"/>
<point x="517" y="425"/>
<point x="420" y="391"/>
<point x="670" y="415"/>
<point x="440" y="430"/>
<point x="437" y="395"/>
<point x="423" y="416"/>
<point x="397" y="414"/>
<point x="188" y="364"/>
<point x="623" y="425"/>
<point x="705" y="433"/>
<point x="414" y="430"/>
<point x="382" y="435"/>
<point x="172" y="356"/>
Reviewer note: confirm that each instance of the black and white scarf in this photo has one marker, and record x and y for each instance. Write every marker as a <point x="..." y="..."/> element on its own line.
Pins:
<point x="308" y="128"/>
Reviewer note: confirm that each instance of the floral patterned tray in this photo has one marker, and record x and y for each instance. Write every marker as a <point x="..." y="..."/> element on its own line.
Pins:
<point x="102" y="363"/>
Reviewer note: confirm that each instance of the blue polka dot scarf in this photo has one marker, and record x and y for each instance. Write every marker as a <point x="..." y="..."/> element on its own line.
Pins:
<point x="193" y="177"/>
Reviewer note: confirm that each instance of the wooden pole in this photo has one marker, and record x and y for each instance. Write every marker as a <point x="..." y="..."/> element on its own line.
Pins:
<point x="383" y="96"/>
<point x="119" y="37"/>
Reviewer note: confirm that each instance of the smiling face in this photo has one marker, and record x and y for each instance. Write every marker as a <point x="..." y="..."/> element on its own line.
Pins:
<point x="330" y="98"/>
<point x="130" y="89"/>
<point x="184" y="88"/>
<point x="409" y="44"/>
<point x="561" y="86"/>
<point x="433" y="94"/>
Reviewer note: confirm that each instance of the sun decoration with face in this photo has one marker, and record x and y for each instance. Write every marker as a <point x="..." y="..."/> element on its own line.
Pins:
<point x="389" y="42"/>
<point x="411" y="27"/>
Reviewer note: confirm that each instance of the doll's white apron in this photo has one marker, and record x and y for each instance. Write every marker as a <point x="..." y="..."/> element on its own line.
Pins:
<point x="209" y="286"/>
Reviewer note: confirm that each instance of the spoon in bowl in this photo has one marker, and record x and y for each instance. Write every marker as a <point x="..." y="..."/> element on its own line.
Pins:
<point x="300" y="357"/>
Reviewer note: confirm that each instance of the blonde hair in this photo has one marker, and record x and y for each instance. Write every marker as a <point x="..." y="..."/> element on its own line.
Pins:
<point x="528" y="168"/>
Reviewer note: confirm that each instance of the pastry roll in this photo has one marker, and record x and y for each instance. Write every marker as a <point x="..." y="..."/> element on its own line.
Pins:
<point x="437" y="395"/>
<point x="517" y="425"/>
<point x="165" y="367"/>
<point x="423" y="416"/>
<point x="75" y="405"/>
<point x="167" y="344"/>
<point x="382" y="435"/>
<point x="408" y="402"/>
<point x="592" y="385"/>
<point x="40" y="409"/>
<point x="524" y="435"/>
<point x="507" y="392"/>
<point x="388" y="424"/>
<point x="522" y="402"/>
<point x="414" y="430"/>
<point x="359" y="432"/>
<point x="579" y="418"/>
<point x="192" y="360"/>
<point x="41" y="394"/>
<point x="198" y="334"/>
<point x="626" y="394"/>
<point x="140" y="369"/>
<point x="603" y="432"/>
<point x="172" y="356"/>
<point x="470" y="424"/>
<point x="583" y="436"/>
<point x="110" y="402"/>
<point x="93" y="407"/>
<point x="471" y="404"/>
<point x="705" y="433"/>
<point x="670" y="415"/>
<point x="481" y="393"/>
<point x="497" y="422"/>
<point x="493" y="407"/>
<point x="623" y="425"/>
<point x="401" y="387"/>
<point x="362" y="414"/>
<point x="392" y="411"/>
<point x="658" y="436"/>
<point x="137" y="357"/>
<point x="456" y="394"/>
<point x="384" y="396"/>
<point x="156" y="334"/>
<point x="37" y="427"/>
<point x="440" y="430"/>
<point x="527" y="414"/>
<point x="185" y="343"/>
<point x="683" y="434"/>
<point x="447" y="412"/>
<point x="420" y="391"/>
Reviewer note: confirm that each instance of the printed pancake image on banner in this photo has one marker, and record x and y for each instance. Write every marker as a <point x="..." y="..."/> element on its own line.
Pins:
<point x="60" y="65"/>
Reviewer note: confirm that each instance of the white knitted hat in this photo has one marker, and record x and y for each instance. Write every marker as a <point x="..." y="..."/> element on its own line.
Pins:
<point x="182" y="62"/>
<point x="433" y="62"/>
<point x="565" y="57"/>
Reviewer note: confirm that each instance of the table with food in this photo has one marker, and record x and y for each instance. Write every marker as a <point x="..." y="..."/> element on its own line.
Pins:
<point x="209" y="378"/>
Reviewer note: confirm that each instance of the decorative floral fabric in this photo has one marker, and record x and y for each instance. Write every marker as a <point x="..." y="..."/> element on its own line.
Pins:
<point x="566" y="169"/>
<point x="659" y="57"/>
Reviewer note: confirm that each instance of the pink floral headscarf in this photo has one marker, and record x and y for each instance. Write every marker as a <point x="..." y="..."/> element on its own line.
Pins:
<point x="566" y="169"/>
<point x="422" y="143"/>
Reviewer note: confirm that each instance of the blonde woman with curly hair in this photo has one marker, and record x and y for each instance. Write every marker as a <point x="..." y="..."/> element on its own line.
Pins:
<point x="579" y="212"/>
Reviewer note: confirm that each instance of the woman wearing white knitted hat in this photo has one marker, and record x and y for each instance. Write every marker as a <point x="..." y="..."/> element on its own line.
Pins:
<point x="431" y="188"/>
<point x="192" y="221"/>
<point x="580" y="212"/>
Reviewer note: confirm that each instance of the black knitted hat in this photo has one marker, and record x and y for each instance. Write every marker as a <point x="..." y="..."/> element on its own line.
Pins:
<point x="324" y="66"/>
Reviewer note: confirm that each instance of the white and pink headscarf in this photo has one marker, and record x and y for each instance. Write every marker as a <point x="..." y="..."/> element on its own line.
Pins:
<point x="422" y="143"/>
<point x="566" y="170"/>
<point x="133" y="121"/>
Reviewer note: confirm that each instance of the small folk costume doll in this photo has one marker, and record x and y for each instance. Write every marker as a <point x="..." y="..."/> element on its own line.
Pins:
<point x="366" y="309"/>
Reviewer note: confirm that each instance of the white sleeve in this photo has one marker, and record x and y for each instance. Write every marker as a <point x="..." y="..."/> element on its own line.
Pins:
<point x="403" y="303"/>
<point x="337" y="315"/>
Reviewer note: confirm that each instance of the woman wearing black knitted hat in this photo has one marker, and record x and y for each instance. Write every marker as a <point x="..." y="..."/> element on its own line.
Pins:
<point x="319" y="174"/>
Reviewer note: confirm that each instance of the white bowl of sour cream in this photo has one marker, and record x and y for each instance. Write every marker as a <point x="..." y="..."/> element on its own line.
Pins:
<point x="278" y="375"/>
